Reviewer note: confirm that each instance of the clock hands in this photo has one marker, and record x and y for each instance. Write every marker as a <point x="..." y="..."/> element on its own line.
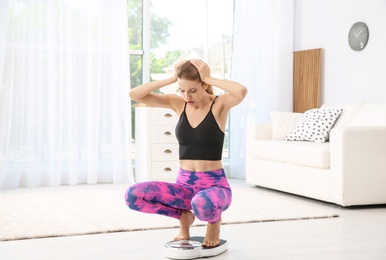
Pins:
<point x="356" y="35"/>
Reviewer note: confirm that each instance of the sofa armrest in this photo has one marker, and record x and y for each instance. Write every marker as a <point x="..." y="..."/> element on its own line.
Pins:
<point x="359" y="154"/>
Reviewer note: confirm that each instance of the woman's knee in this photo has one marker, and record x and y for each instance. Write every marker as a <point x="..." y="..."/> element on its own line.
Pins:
<point x="134" y="196"/>
<point x="202" y="207"/>
<point x="205" y="208"/>
<point x="208" y="205"/>
<point x="141" y="194"/>
<point x="130" y="198"/>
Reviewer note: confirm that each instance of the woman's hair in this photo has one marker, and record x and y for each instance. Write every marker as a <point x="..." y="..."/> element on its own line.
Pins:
<point x="189" y="72"/>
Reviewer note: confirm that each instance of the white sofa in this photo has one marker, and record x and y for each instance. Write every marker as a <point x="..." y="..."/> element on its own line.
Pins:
<point x="348" y="170"/>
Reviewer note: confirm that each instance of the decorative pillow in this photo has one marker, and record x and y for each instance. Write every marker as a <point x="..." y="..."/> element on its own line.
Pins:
<point x="283" y="123"/>
<point x="314" y="125"/>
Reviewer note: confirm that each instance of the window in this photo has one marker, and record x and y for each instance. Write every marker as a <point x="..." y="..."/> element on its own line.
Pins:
<point x="162" y="32"/>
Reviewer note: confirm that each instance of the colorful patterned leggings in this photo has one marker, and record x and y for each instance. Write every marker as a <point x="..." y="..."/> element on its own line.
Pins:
<point x="207" y="193"/>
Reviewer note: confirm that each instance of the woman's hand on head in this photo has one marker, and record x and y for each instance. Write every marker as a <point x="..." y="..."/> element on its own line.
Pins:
<point x="202" y="68"/>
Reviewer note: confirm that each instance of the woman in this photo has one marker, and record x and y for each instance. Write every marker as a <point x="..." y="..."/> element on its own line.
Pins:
<point x="201" y="184"/>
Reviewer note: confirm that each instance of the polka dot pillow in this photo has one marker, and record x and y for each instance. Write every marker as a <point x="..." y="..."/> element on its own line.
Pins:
<point x="314" y="125"/>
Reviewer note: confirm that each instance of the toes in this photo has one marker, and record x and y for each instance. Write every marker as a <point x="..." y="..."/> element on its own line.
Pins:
<point x="209" y="244"/>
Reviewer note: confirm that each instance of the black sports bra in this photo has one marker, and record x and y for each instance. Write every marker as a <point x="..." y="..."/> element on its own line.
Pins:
<point x="205" y="142"/>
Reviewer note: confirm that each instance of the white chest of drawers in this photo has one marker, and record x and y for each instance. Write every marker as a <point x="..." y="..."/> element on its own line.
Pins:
<point x="156" y="146"/>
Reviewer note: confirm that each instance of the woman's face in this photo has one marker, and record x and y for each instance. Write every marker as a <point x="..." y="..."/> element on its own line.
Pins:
<point x="192" y="91"/>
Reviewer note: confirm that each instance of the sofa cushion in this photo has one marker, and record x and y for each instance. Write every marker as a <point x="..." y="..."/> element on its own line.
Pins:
<point x="314" y="125"/>
<point x="303" y="153"/>
<point x="282" y="123"/>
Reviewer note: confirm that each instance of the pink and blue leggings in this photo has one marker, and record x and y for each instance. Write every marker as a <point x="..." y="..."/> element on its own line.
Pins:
<point x="207" y="193"/>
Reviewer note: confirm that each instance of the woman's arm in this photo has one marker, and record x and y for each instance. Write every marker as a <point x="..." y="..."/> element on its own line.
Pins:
<point x="144" y="93"/>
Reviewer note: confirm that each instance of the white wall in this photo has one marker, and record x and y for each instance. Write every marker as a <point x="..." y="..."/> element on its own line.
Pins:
<point x="347" y="76"/>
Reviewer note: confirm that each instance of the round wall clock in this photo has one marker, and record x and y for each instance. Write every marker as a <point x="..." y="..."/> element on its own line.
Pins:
<point x="358" y="36"/>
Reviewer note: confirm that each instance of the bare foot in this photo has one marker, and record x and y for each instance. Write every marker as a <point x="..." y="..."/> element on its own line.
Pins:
<point x="212" y="237"/>
<point x="186" y="220"/>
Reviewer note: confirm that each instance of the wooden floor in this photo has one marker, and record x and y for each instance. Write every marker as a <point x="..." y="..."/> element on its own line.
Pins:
<point x="359" y="233"/>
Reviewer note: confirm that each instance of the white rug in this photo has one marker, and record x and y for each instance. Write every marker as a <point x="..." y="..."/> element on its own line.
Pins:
<point x="92" y="209"/>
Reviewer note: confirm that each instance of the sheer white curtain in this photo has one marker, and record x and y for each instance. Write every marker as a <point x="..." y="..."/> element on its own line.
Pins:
<point x="262" y="60"/>
<point x="64" y="108"/>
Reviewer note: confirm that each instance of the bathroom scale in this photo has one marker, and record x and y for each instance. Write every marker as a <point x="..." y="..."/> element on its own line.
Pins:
<point x="191" y="249"/>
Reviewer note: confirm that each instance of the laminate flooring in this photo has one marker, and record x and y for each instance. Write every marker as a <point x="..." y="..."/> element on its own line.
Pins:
<point x="358" y="233"/>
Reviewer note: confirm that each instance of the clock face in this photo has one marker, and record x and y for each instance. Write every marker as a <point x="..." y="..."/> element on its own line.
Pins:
<point x="358" y="36"/>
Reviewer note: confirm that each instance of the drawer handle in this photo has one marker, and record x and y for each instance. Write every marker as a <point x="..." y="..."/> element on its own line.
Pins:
<point x="167" y="169"/>
<point x="168" y="115"/>
<point x="167" y="133"/>
<point x="167" y="151"/>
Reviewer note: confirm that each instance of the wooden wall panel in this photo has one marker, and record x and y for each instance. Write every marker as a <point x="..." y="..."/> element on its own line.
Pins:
<point x="306" y="82"/>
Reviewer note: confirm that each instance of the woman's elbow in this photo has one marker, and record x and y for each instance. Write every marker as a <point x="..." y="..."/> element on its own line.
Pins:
<point x="243" y="92"/>
<point x="132" y="95"/>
